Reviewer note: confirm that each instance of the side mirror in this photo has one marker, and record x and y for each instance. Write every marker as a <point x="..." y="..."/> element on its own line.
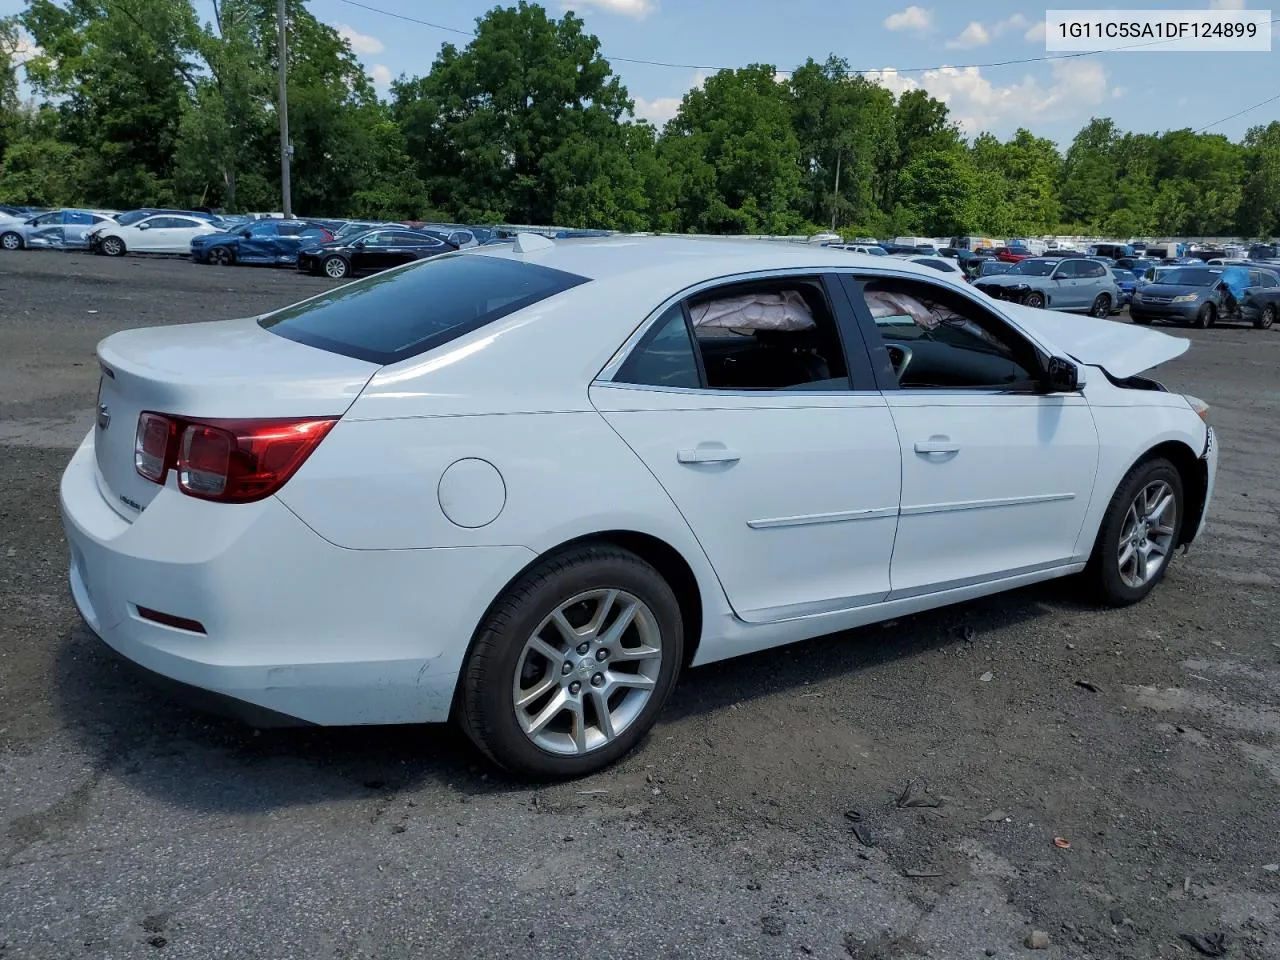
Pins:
<point x="358" y="245"/>
<point x="246" y="234"/>
<point x="1061" y="376"/>
<point x="144" y="226"/>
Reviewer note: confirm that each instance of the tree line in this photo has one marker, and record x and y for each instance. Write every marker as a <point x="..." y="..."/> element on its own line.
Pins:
<point x="141" y="103"/>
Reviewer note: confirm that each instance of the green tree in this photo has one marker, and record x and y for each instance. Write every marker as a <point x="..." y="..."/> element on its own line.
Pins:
<point x="499" y="128"/>
<point x="1089" y="174"/>
<point x="734" y="155"/>
<point x="1260" y="208"/>
<point x="1199" y="179"/>
<point x="938" y="188"/>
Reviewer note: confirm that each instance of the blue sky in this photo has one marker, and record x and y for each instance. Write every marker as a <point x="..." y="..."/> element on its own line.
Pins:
<point x="1146" y="90"/>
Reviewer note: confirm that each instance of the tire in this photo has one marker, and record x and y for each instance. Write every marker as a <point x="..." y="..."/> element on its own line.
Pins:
<point x="221" y="257"/>
<point x="1034" y="300"/>
<point x="335" y="268"/>
<point x="1266" y="318"/>
<point x="1207" y="317"/>
<point x="1101" y="306"/>
<point x="10" y="241"/>
<point x="112" y="247"/>
<point x="579" y="584"/>
<point x="1116" y="578"/>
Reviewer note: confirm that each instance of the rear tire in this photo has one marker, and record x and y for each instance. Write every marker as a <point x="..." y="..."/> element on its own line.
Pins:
<point x="10" y="241"/>
<point x="1207" y="317"/>
<point x="1101" y="306"/>
<point x="112" y="247"/>
<point x="1267" y="317"/>
<point x="1133" y="551"/>
<point x="536" y="714"/>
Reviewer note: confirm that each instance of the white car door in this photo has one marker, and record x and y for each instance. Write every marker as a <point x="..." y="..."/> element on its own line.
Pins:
<point x="775" y="446"/>
<point x="997" y="473"/>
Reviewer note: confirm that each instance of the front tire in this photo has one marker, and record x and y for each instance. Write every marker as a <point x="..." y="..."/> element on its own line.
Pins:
<point x="573" y="663"/>
<point x="1138" y="534"/>
<point x="221" y="257"/>
<point x="1267" y="317"/>
<point x="1101" y="306"/>
<point x="335" y="268"/>
<point x="10" y="241"/>
<point x="1207" y="317"/>
<point x="112" y="247"/>
<point x="1034" y="300"/>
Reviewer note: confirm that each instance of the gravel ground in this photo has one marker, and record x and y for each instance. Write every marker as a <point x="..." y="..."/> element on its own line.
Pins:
<point x="132" y="825"/>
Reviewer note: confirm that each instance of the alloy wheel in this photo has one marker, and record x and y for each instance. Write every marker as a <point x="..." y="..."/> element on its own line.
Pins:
<point x="1101" y="306"/>
<point x="11" y="241"/>
<point x="1268" y="316"/>
<point x="112" y="247"/>
<point x="335" y="267"/>
<point x="1035" y="300"/>
<point x="1147" y="534"/>
<point x="220" y="256"/>
<point x="587" y="671"/>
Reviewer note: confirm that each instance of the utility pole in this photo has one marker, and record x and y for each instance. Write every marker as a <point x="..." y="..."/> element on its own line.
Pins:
<point x="286" y="149"/>
<point x="835" y="197"/>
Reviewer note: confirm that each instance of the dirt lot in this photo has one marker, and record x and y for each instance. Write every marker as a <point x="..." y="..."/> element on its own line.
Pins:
<point x="131" y="825"/>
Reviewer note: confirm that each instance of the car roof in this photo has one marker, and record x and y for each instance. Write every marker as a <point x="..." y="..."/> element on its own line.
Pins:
<point x="685" y="260"/>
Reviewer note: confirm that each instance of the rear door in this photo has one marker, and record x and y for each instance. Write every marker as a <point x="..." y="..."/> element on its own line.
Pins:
<point x="775" y="445"/>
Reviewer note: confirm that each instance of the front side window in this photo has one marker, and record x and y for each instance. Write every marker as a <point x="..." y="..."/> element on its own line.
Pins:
<point x="939" y="339"/>
<point x="396" y="315"/>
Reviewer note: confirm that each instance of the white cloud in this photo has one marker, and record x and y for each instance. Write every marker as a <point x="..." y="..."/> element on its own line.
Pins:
<point x="979" y="34"/>
<point x="381" y="74"/>
<point x="360" y="42"/>
<point x="1228" y="4"/>
<point x="24" y="50"/>
<point x="637" y="9"/>
<point x="913" y="18"/>
<point x="976" y="104"/>
<point x="661" y="109"/>
<point x="974" y="35"/>
<point x="1118" y="92"/>
<point x="1036" y="33"/>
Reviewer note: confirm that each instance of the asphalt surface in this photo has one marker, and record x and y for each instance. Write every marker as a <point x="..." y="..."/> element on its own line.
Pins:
<point x="132" y="825"/>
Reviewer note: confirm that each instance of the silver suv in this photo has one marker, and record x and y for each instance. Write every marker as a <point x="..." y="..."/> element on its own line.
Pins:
<point x="1073" y="284"/>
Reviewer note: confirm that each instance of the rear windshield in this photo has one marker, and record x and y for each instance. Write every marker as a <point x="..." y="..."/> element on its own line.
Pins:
<point x="392" y="316"/>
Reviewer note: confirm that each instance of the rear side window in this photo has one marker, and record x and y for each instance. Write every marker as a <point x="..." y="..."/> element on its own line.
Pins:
<point x="393" y="316"/>
<point x="665" y="358"/>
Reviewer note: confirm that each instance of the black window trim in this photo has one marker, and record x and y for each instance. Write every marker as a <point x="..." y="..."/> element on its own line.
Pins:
<point x="879" y="353"/>
<point x="862" y="380"/>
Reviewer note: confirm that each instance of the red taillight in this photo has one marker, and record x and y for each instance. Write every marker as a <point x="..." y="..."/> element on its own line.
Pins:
<point x="231" y="461"/>
<point x="151" y="446"/>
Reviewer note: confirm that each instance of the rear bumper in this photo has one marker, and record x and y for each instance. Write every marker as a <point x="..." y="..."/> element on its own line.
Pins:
<point x="294" y="625"/>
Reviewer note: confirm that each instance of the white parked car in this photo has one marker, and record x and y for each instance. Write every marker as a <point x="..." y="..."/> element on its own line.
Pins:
<point x="525" y="485"/>
<point x="162" y="233"/>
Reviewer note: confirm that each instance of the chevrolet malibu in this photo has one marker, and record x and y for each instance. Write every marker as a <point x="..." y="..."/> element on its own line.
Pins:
<point x="525" y="485"/>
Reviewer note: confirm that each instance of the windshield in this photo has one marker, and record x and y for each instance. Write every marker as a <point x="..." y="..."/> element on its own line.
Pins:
<point x="1034" y="268"/>
<point x="1187" y="276"/>
<point x="990" y="268"/>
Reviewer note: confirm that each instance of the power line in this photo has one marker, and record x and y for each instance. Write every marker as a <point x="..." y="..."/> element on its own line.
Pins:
<point x="1240" y="113"/>
<point x="704" y="66"/>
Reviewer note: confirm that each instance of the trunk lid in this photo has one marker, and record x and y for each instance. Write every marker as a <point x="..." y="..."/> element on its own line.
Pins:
<point x="230" y="368"/>
<point x="1121" y="349"/>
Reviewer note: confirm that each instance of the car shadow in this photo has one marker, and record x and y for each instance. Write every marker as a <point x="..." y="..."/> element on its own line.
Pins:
<point x="133" y="728"/>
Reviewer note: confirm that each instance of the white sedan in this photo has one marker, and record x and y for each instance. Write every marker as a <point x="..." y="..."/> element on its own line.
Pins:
<point x="525" y="485"/>
<point x="162" y="233"/>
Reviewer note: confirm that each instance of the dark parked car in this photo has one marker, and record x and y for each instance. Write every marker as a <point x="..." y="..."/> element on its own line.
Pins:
<point x="370" y="252"/>
<point x="1264" y="251"/>
<point x="1260" y="304"/>
<point x="1195" y="295"/>
<point x="262" y="241"/>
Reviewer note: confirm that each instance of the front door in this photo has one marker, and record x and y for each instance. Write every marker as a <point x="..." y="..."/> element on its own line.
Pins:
<point x="996" y="474"/>
<point x="786" y="468"/>
<point x="1067" y="292"/>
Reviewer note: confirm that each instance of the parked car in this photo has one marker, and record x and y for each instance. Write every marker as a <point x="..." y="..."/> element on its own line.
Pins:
<point x="1260" y="304"/>
<point x="370" y="252"/>
<point x="992" y="267"/>
<point x="612" y="435"/>
<point x="1113" y="251"/>
<point x="1012" y="254"/>
<point x="942" y="265"/>
<point x="56" y="230"/>
<point x="1073" y="284"/>
<point x="130" y="217"/>
<point x="269" y="241"/>
<point x="163" y="233"/>
<point x="354" y="228"/>
<point x="1135" y="265"/>
<point x="1199" y="296"/>
<point x="1264" y="251"/>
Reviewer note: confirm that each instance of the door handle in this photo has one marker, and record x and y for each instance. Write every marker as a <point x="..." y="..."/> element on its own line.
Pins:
<point x="937" y="445"/>
<point x="707" y="455"/>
